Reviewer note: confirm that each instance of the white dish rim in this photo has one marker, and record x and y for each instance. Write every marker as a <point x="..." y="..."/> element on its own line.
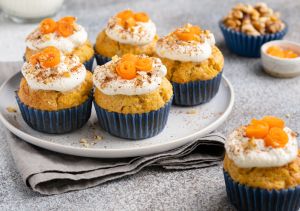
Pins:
<point x="117" y="153"/>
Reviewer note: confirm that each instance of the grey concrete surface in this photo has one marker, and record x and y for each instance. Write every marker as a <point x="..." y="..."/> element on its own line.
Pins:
<point x="257" y="94"/>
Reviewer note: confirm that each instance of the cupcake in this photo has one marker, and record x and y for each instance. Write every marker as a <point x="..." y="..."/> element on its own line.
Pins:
<point x="55" y="92"/>
<point x="132" y="96"/>
<point x="126" y="32"/>
<point x="193" y="62"/>
<point x="66" y="35"/>
<point x="262" y="166"/>
<point x="246" y="28"/>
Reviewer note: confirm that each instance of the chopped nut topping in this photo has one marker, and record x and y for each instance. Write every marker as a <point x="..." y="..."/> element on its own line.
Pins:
<point x="11" y="109"/>
<point x="294" y="134"/>
<point x="192" y="111"/>
<point x="67" y="74"/>
<point x="83" y="140"/>
<point x="86" y="145"/>
<point x="97" y="137"/>
<point x="93" y="140"/>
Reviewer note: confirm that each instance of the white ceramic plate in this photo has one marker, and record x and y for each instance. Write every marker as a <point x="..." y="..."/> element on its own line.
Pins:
<point x="184" y="125"/>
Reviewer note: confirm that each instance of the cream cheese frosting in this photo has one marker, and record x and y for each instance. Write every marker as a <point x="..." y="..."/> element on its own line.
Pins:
<point x="249" y="153"/>
<point x="37" y="41"/>
<point x="67" y="75"/>
<point x="107" y="80"/>
<point x="141" y="34"/>
<point x="186" y="51"/>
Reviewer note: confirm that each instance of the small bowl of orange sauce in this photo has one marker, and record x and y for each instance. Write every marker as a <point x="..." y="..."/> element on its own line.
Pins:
<point x="281" y="58"/>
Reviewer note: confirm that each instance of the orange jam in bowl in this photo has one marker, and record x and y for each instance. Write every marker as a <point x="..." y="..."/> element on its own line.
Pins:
<point x="280" y="52"/>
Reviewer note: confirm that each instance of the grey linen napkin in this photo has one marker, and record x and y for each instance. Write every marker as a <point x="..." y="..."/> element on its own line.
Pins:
<point x="50" y="173"/>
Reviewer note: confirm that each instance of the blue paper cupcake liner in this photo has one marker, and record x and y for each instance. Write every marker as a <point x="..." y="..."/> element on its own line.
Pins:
<point x="101" y="60"/>
<point x="89" y="64"/>
<point x="257" y="199"/>
<point x="196" y="92"/>
<point x="247" y="45"/>
<point x="133" y="126"/>
<point x="56" y="122"/>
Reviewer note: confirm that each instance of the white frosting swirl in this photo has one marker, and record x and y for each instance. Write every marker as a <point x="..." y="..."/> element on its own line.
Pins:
<point x="257" y="154"/>
<point x="107" y="81"/>
<point x="38" y="41"/>
<point x="141" y="34"/>
<point x="192" y="51"/>
<point x="55" y="79"/>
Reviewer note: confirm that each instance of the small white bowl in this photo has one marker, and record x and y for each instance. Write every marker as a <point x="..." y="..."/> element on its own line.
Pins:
<point x="280" y="67"/>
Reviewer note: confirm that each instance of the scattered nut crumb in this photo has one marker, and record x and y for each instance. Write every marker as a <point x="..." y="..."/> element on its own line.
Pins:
<point x="96" y="137"/>
<point x="295" y="134"/>
<point x="192" y="111"/>
<point x="11" y="109"/>
<point x="252" y="143"/>
<point x="83" y="141"/>
<point x="91" y="141"/>
<point x="86" y="145"/>
<point x="287" y="115"/>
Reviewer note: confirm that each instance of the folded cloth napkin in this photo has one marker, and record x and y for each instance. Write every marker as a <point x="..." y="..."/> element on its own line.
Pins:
<point x="49" y="173"/>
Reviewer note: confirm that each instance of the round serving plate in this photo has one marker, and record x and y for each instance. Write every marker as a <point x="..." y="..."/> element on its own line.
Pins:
<point x="184" y="125"/>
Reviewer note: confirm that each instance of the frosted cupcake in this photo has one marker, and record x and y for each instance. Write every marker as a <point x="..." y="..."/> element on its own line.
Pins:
<point x="55" y="92"/>
<point x="126" y="32"/>
<point x="66" y="35"/>
<point x="262" y="166"/>
<point x="194" y="64"/>
<point x="132" y="96"/>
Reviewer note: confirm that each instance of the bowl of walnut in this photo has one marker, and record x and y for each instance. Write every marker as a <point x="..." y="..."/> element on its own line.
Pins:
<point x="247" y="27"/>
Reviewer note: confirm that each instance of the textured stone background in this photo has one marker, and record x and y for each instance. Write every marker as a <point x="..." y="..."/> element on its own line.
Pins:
<point x="257" y="94"/>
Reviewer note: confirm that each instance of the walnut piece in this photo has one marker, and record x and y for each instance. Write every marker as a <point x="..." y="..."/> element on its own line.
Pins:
<point x="254" y="20"/>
